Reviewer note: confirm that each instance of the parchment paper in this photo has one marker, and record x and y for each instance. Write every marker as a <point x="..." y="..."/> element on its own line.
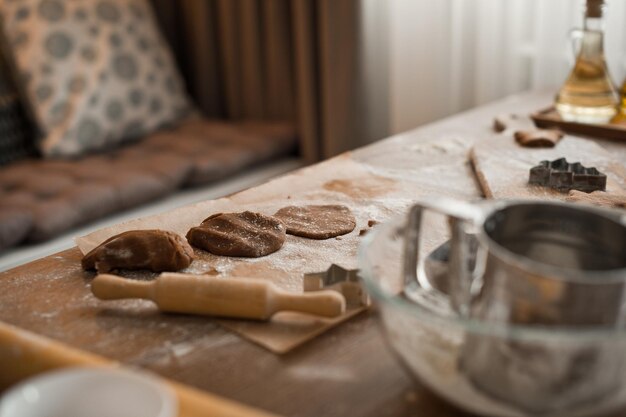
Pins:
<point x="370" y="195"/>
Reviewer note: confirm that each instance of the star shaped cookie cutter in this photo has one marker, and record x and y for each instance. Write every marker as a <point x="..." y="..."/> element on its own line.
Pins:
<point x="344" y="281"/>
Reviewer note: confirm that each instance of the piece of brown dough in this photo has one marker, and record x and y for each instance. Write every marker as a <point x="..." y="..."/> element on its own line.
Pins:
<point x="317" y="222"/>
<point x="539" y="138"/>
<point x="154" y="250"/>
<point x="598" y="198"/>
<point x="504" y="122"/>
<point x="244" y="234"/>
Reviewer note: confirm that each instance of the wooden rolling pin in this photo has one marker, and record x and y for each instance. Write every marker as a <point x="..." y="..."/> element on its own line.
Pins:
<point x="237" y="297"/>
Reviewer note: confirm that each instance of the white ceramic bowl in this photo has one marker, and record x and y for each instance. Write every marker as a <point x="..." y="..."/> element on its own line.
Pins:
<point x="89" y="392"/>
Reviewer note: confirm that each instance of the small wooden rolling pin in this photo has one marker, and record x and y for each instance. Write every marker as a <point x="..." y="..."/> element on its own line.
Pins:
<point x="237" y="297"/>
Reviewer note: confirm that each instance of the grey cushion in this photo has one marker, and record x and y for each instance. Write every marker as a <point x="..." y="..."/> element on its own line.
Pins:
<point x="40" y="199"/>
<point x="14" y="226"/>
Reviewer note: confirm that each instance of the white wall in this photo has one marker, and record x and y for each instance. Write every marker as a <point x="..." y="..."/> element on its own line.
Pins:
<point x="375" y="59"/>
<point x="449" y="55"/>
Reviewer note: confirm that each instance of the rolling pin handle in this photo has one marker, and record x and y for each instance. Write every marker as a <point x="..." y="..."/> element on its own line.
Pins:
<point x="112" y="287"/>
<point x="325" y="303"/>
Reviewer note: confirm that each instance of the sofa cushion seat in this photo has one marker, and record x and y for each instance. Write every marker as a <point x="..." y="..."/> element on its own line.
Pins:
<point x="40" y="199"/>
<point x="15" y="225"/>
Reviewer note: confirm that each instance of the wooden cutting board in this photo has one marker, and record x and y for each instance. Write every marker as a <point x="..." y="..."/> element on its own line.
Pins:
<point x="502" y="166"/>
<point x="549" y="119"/>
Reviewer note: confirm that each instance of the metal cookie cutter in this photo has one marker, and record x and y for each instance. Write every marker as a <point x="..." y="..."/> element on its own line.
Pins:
<point x="345" y="281"/>
<point x="563" y="176"/>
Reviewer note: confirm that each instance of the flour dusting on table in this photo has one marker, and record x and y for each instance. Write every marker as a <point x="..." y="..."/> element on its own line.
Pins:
<point x="372" y="192"/>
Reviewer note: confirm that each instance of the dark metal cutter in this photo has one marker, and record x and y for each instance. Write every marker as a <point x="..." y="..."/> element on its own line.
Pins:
<point x="563" y="176"/>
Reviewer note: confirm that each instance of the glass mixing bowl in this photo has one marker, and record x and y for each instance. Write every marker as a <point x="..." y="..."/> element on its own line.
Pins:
<point x="492" y="369"/>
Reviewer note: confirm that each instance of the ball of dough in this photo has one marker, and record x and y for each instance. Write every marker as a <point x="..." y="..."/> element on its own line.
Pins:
<point x="154" y="250"/>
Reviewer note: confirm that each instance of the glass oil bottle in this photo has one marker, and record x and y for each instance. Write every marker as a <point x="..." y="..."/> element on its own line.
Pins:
<point x="589" y="95"/>
<point x="620" y="117"/>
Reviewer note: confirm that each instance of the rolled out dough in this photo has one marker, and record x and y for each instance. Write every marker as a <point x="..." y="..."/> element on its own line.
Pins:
<point x="246" y="234"/>
<point x="317" y="221"/>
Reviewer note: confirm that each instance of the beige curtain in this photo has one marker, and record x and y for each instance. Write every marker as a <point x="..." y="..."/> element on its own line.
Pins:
<point x="295" y="60"/>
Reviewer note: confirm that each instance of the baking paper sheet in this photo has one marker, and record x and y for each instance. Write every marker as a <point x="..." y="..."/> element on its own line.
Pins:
<point x="370" y="195"/>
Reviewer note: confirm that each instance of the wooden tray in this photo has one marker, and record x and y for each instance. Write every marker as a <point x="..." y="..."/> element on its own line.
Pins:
<point x="549" y="118"/>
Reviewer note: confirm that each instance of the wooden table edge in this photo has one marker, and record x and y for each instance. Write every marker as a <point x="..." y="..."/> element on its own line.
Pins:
<point x="24" y="354"/>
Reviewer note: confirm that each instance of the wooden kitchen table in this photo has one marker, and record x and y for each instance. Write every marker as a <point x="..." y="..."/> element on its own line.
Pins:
<point x="346" y="371"/>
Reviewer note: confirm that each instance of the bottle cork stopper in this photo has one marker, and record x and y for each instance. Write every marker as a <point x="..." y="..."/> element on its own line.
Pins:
<point x="594" y="8"/>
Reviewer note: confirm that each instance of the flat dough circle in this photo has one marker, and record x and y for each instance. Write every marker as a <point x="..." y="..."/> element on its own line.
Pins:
<point x="244" y="234"/>
<point x="317" y="222"/>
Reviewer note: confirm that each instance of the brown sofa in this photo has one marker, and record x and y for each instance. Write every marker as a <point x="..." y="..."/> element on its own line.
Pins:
<point x="40" y="199"/>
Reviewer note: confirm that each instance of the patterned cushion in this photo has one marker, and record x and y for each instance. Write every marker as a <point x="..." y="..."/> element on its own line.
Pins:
<point x="16" y="133"/>
<point x="95" y="72"/>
